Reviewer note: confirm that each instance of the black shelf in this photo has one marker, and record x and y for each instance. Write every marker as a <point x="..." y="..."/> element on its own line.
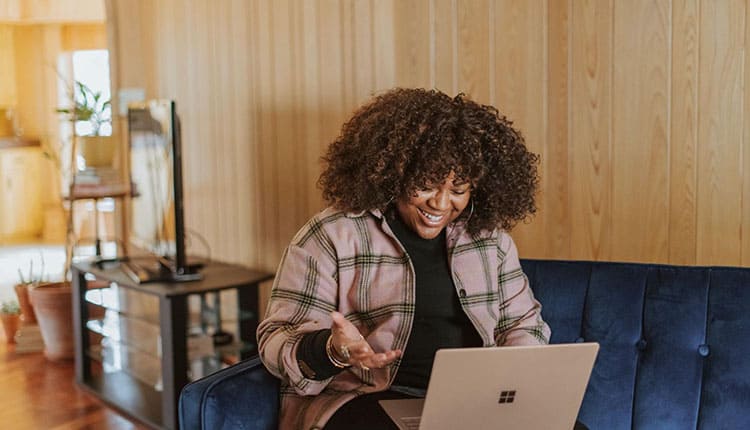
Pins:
<point x="120" y="382"/>
<point x="126" y="393"/>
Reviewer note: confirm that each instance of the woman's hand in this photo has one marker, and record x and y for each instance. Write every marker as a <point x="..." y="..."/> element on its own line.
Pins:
<point x="351" y="347"/>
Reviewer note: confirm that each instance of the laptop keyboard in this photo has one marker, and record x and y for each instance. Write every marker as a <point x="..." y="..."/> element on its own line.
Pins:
<point x="411" y="423"/>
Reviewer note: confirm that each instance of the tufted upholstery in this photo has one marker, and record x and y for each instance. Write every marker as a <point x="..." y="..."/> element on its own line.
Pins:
<point x="675" y="349"/>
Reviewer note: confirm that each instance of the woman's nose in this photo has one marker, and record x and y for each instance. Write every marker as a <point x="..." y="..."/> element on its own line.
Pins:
<point x="440" y="200"/>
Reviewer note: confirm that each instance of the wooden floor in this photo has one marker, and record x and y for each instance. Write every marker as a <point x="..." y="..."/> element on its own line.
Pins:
<point x="37" y="394"/>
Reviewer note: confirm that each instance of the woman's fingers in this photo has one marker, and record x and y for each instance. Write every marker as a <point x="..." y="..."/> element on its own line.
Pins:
<point x="360" y="353"/>
<point x="344" y="327"/>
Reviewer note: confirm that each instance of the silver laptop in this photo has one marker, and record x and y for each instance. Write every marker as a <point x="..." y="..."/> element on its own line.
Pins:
<point x="516" y="387"/>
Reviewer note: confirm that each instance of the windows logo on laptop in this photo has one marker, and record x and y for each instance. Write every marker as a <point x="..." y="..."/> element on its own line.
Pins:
<point x="507" y="396"/>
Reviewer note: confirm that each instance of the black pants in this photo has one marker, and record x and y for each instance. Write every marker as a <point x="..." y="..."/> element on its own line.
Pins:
<point x="364" y="413"/>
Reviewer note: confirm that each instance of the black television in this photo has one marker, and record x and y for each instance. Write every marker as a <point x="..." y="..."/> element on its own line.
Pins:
<point x="157" y="220"/>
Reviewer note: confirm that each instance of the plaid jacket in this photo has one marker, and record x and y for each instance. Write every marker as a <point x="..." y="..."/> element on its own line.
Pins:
<point x="353" y="263"/>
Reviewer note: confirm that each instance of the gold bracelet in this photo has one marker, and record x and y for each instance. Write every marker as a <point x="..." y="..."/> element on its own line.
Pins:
<point x="332" y="357"/>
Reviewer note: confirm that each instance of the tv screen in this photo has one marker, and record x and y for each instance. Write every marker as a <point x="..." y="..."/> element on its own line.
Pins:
<point x="157" y="221"/>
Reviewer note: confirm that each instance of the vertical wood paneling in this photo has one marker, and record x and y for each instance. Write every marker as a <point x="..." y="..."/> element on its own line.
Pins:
<point x="639" y="124"/>
<point x="85" y="36"/>
<point x="556" y="175"/>
<point x="311" y="103"/>
<point x="637" y="109"/>
<point x="745" y="171"/>
<point x="722" y="30"/>
<point x="473" y="49"/>
<point x="267" y="128"/>
<point x="590" y="127"/>
<point x="7" y="66"/>
<point x="384" y="35"/>
<point x="520" y="92"/>
<point x="684" y="133"/>
<point x="444" y="45"/>
<point x="412" y="32"/>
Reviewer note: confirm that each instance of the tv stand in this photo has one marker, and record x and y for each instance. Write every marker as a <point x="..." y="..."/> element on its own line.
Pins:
<point x="150" y="326"/>
<point x="153" y="269"/>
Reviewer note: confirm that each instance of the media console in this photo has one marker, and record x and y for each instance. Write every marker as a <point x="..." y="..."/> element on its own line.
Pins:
<point x="138" y="344"/>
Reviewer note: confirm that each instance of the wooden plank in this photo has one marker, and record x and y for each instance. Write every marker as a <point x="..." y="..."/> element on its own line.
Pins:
<point x="556" y="174"/>
<point x="684" y="109"/>
<point x="444" y="45"/>
<point x="520" y="61"/>
<point x="84" y="36"/>
<point x="640" y="137"/>
<point x="270" y="214"/>
<point x="591" y="103"/>
<point x="412" y="51"/>
<point x="474" y="49"/>
<point x="384" y="35"/>
<point x="720" y="126"/>
<point x="745" y="228"/>
<point x="7" y="66"/>
<point x="311" y="104"/>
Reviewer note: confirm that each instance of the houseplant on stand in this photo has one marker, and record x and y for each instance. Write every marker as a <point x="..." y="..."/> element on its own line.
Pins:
<point x="89" y="107"/>
<point x="53" y="301"/>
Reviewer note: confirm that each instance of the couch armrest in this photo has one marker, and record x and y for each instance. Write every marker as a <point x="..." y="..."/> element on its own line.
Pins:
<point x="243" y="396"/>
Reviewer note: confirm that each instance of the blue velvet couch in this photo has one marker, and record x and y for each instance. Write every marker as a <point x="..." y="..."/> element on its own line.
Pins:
<point x="675" y="350"/>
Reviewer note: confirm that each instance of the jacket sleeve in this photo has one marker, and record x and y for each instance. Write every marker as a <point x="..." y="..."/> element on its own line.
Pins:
<point x="520" y="318"/>
<point x="303" y="295"/>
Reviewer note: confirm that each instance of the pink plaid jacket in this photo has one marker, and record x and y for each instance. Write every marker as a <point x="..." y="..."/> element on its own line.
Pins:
<point x="353" y="263"/>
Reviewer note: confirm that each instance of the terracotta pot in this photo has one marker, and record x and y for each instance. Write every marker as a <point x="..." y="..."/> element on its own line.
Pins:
<point x="27" y="311"/>
<point x="10" y="325"/>
<point x="53" y="304"/>
<point x="98" y="151"/>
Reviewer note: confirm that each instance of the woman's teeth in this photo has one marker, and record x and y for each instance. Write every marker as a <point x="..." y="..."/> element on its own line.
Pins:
<point x="433" y="218"/>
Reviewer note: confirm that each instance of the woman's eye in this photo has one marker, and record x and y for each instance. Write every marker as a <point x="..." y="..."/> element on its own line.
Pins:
<point x="461" y="191"/>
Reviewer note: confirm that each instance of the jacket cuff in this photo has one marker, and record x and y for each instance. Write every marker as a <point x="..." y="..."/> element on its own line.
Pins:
<point x="312" y="358"/>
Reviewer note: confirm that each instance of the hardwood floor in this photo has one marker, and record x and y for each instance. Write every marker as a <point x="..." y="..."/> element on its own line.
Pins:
<point x="37" y="394"/>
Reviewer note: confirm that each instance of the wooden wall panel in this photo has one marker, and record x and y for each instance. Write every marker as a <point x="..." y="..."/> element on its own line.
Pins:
<point x="557" y="172"/>
<point x="720" y="126"/>
<point x="745" y="228"/>
<point x="7" y="66"/>
<point x="684" y="133"/>
<point x="412" y="50"/>
<point x="84" y="36"/>
<point x="473" y="50"/>
<point x="640" y="152"/>
<point x="590" y="129"/>
<point x="519" y="48"/>
<point x="636" y="108"/>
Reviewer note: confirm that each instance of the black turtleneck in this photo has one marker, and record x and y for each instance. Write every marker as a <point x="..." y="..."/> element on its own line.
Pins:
<point x="439" y="320"/>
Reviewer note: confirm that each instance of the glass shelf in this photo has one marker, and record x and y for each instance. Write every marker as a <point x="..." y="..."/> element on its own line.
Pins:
<point x="132" y="332"/>
<point x="126" y="302"/>
<point x="117" y="357"/>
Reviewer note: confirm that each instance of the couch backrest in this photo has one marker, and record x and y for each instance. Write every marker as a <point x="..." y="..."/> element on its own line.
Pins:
<point x="675" y="341"/>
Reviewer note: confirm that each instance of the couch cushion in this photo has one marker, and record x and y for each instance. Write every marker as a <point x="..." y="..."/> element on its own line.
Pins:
<point x="673" y="340"/>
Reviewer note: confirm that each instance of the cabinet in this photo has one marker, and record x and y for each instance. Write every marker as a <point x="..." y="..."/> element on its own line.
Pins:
<point x="20" y="188"/>
<point x="137" y="345"/>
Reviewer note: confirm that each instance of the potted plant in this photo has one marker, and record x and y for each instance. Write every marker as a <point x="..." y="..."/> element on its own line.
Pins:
<point x="90" y="106"/>
<point x="10" y="314"/>
<point x="52" y="304"/>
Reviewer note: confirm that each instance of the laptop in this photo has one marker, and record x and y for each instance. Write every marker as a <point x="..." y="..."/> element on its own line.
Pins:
<point x="512" y="387"/>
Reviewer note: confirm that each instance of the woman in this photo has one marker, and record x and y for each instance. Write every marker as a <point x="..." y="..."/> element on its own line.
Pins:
<point x="411" y="256"/>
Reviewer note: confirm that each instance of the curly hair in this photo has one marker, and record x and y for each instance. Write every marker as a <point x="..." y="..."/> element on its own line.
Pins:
<point x="407" y="139"/>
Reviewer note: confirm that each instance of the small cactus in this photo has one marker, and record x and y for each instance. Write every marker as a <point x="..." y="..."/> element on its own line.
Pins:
<point x="10" y="307"/>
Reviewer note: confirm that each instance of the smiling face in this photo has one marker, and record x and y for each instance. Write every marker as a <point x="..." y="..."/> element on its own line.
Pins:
<point x="430" y="210"/>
